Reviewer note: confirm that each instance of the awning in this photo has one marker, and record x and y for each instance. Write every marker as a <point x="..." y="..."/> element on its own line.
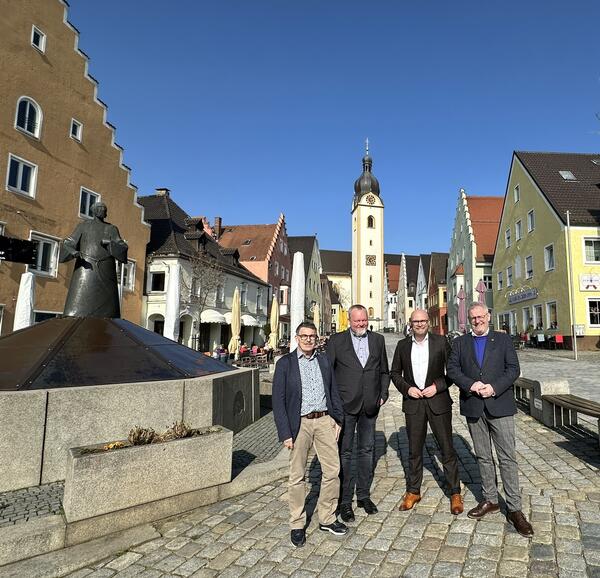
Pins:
<point x="212" y="316"/>
<point x="249" y="321"/>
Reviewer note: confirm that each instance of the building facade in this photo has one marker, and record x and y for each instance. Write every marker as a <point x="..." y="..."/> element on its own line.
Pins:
<point x="547" y="275"/>
<point x="437" y="293"/>
<point x="58" y="157"/>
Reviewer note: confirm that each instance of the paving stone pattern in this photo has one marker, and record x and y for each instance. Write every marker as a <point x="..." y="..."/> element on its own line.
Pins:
<point x="255" y="444"/>
<point x="249" y="535"/>
<point x="23" y="505"/>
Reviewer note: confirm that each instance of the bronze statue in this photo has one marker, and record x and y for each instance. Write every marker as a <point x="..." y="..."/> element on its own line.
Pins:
<point x="95" y="245"/>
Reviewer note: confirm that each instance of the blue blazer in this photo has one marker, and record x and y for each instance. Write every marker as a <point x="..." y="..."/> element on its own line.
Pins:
<point x="287" y="394"/>
<point x="500" y="368"/>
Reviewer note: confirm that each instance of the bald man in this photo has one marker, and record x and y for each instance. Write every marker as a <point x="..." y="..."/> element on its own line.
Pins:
<point x="419" y="373"/>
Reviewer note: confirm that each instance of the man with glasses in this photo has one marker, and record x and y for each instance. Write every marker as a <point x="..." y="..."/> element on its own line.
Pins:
<point x="308" y="413"/>
<point x="419" y="373"/>
<point x="360" y="362"/>
<point x="484" y="365"/>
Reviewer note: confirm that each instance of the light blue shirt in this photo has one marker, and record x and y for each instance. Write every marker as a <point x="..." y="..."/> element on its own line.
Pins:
<point x="361" y="347"/>
<point x="313" y="388"/>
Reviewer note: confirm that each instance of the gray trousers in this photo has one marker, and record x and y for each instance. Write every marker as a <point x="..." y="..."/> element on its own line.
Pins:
<point x="500" y="431"/>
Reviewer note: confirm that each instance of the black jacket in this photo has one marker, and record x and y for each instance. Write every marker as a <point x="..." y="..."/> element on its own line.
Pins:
<point x="360" y="386"/>
<point x="500" y="368"/>
<point x="403" y="378"/>
<point x="287" y="394"/>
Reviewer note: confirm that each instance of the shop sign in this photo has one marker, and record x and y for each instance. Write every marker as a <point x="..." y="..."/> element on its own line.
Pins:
<point x="522" y="295"/>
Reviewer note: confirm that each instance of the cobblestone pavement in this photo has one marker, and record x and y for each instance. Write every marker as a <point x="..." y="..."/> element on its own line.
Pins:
<point x="23" y="505"/>
<point x="249" y="536"/>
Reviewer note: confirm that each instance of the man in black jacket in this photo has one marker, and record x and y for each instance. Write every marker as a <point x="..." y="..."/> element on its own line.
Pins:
<point x="360" y="362"/>
<point x="308" y="413"/>
<point x="419" y="373"/>
<point x="484" y="365"/>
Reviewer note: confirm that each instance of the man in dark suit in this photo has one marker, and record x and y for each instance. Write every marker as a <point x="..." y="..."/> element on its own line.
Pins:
<point x="308" y="413"/>
<point x="484" y="365"/>
<point x="360" y="362"/>
<point x="419" y="373"/>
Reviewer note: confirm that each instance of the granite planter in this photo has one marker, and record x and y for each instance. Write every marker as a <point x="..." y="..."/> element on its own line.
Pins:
<point x="98" y="483"/>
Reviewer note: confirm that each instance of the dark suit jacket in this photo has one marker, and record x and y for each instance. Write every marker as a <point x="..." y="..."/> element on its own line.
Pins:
<point x="403" y="378"/>
<point x="287" y="394"/>
<point x="500" y="368"/>
<point x="360" y="386"/>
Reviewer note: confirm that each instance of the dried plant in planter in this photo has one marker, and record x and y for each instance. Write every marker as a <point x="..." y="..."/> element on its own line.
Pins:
<point x="140" y="436"/>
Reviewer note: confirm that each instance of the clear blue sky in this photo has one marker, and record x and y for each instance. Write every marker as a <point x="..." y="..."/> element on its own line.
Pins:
<point x="246" y="108"/>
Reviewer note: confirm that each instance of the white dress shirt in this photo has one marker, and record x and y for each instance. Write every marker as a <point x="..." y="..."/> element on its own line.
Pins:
<point x="419" y="357"/>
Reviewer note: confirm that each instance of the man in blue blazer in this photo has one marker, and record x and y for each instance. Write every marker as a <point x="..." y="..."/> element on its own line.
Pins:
<point x="484" y="365"/>
<point x="360" y="362"/>
<point x="308" y="413"/>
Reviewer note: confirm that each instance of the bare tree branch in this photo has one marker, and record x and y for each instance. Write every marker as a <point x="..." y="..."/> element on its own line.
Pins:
<point x="205" y="278"/>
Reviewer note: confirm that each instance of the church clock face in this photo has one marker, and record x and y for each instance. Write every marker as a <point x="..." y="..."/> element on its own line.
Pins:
<point x="371" y="260"/>
<point x="370" y="199"/>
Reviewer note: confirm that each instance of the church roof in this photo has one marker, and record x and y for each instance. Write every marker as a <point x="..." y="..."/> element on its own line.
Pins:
<point x="366" y="183"/>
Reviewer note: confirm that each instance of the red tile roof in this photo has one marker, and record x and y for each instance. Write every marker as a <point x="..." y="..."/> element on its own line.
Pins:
<point x="393" y="272"/>
<point x="260" y="237"/>
<point x="486" y="213"/>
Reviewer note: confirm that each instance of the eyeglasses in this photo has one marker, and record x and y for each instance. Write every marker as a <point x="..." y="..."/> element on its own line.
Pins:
<point x="307" y="337"/>
<point x="419" y="321"/>
<point x="478" y="318"/>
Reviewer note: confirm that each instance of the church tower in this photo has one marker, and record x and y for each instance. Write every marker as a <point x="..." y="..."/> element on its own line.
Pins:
<point x="367" y="244"/>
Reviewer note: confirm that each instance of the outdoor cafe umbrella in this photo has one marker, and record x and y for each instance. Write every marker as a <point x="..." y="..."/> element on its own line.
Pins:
<point x="236" y="324"/>
<point x="481" y="289"/>
<point x="317" y="317"/>
<point x="274" y="323"/>
<point x="462" y="311"/>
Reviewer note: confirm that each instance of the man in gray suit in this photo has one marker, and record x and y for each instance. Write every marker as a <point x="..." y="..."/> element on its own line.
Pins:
<point x="484" y="365"/>
<point x="361" y="370"/>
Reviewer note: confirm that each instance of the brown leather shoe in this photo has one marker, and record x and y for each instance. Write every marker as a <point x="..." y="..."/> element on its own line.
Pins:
<point x="408" y="501"/>
<point x="456" y="504"/>
<point x="482" y="509"/>
<point x="518" y="520"/>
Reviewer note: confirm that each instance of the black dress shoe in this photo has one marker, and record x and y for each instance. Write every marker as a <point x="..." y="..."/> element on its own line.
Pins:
<point x="346" y="513"/>
<point x="298" y="538"/>
<point x="336" y="528"/>
<point x="518" y="520"/>
<point x="482" y="509"/>
<point x="368" y="506"/>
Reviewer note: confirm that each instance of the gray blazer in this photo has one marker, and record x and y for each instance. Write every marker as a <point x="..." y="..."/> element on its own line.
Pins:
<point x="500" y="368"/>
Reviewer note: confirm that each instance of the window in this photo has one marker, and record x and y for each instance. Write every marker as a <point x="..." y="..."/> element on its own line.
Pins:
<point x="47" y="255"/>
<point x="487" y="279"/>
<point x="38" y="39"/>
<point x="282" y="273"/>
<point x="410" y="303"/>
<point x="549" y="257"/>
<point x="259" y="304"/>
<point x="592" y="250"/>
<point x="371" y="311"/>
<point x="76" y="130"/>
<point x="518" y="229"/>
<point x="220" y="295"/>
<point x="593" y="312"/>
<point x="509" y="276"/>
<point x="517" y="193"/>
<point x="247" y="242"/>
<point x="281" y="296"/>
<point x="281" y="245"/>
<point x="530" y="221"/>
<point x="526" y="318"/>
<point x="39" y="316"/>
<point x="552" y="315"/>
<point x="128" y="272"/>
<point x="21" y="176"/>
<point x="87" y="200"/>
<point x="507" y="238"/>
<point x="370" y="278"/>
<point x="517" y="267"/>
<point x="528" y="267"/>
<point x="538" y="321"/>
<point x="371" y="222"/>
<point x="29" y="116"/>
<point x="500" y="281"/>
<point x="287" y="274"/>
<point x="157" y="281"/>
<point x="276" y="268"/>
<point x="244" y="295"/>
<point x="567" y="175"/>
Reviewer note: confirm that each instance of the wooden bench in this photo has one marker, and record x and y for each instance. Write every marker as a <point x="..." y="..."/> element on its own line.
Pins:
<point x="567" y="406"/>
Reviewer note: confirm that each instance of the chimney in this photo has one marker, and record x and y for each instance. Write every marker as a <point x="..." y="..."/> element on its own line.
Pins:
<point x="162" y="191"/>
<point x="217" y="228"/>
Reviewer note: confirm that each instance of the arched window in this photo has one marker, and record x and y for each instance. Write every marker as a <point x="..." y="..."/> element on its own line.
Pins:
<point x="371" y="222"/>
<point x="371" y="311"/>
<point x="29" y="116"/>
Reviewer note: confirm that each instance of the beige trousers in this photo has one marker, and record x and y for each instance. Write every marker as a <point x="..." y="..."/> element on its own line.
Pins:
<point x="319" y="432"/>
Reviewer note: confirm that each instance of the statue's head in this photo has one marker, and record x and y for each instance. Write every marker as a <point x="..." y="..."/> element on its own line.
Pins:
<point x="99" y="210"/>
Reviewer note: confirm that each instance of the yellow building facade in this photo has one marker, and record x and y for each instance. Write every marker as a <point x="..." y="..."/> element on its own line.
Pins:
<point x="536" y="291"/>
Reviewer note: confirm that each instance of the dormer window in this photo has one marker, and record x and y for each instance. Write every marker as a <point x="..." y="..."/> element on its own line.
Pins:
<point x="38" y="39"/>
<point x="567" y="175"/>
<point x="247" y="242"/>
<point x="29" y="116"/>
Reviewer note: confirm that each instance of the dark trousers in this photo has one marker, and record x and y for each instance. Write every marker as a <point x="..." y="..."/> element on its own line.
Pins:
<point x="416" y="429"/>
<point x="364" y="426"/>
